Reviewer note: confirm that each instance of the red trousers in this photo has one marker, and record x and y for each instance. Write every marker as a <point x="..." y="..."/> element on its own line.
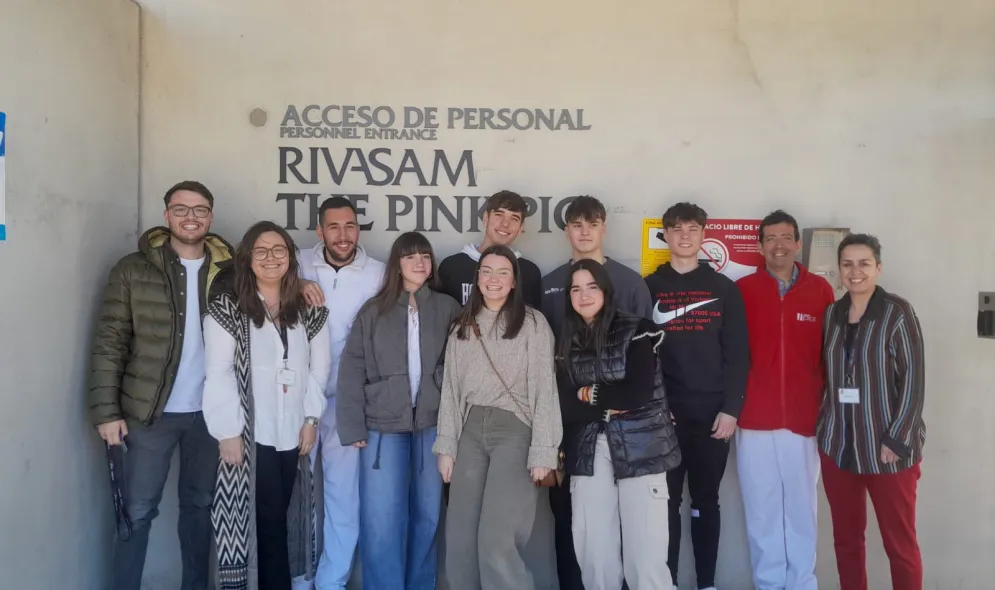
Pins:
<point x="894" y="499"/>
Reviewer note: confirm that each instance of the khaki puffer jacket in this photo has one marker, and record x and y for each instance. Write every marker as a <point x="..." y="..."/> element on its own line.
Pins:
<point x="139" y="336"/>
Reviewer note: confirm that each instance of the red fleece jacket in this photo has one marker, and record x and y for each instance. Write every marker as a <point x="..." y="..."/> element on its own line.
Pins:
<point x="785" y="385"/>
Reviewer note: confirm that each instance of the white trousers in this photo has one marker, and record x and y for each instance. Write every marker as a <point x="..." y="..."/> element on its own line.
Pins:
<point x="606" y="516"/>
<point x="778" y="477"/>
<point x="340" y="479"/>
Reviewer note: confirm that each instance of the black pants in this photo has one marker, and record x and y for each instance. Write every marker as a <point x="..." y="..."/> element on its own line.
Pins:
<point x="275" y="473"/>
<point x="567" y="567"/>
<point x="704" y="462"/>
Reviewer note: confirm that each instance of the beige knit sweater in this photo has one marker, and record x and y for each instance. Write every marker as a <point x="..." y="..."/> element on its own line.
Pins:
<point x="525" y="364"/>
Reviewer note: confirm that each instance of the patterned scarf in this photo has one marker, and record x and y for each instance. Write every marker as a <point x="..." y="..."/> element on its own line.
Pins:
<point x="233" y="514"/>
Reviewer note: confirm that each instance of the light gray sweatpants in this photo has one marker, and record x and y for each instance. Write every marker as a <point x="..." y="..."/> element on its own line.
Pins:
<point x="607" y="515"/>
<point x="492" y="506"/>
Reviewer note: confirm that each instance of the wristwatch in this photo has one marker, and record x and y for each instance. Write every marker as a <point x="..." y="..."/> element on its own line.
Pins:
<point x="311" y="421"/>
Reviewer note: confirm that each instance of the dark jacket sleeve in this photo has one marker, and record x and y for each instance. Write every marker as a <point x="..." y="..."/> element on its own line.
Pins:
<point x="350" y="401"/>
<point x="632" y="393"/>
<point x="636" y="390"/>
<point x="111" y="347"/>
<point x="452" y="311"/>
<point x="572" y="409"/>
<point x="533" y="294"/>
<point x="446" y="279"/>
<point x="910" y="378"/>
<point x="735" y="351"/>
<point x="642" y="302"/>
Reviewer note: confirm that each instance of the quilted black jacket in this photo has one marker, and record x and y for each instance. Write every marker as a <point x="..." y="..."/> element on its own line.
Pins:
<point x="627" y="378"/>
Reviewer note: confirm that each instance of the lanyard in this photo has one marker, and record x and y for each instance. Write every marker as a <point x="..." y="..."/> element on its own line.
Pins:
<point x="281" y="330"/>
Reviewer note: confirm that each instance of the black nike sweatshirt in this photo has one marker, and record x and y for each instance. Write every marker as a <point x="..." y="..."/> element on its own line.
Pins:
<point x="706" y="354"/>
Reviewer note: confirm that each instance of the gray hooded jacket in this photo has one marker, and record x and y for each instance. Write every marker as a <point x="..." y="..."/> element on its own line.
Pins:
<point x="373" y="386"/>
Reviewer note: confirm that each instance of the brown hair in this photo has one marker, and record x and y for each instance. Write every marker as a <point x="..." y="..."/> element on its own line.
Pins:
<point x="406" y="244"/>
<point x="292" y="302"/>
<point x="509" y="200"/>
<point x="513" y="310"/>
<point x="192" y="186"/>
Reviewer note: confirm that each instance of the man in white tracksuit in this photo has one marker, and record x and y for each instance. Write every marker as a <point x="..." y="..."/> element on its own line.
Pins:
<point x="348" y="277"/>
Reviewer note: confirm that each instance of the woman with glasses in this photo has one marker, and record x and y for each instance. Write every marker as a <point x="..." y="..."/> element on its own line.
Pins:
<point x="870" y="429"/>
<point x="267" y="361"/>
<point x="499" y="431"/>
<point x="388" y="406"/>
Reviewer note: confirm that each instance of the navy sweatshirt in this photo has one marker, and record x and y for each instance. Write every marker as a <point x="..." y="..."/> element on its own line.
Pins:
<point x="706" y="354"/>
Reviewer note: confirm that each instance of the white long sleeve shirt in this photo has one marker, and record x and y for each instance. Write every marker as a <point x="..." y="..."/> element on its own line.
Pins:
<point x="414" y="354"/>
<point x="279" y="415"/>
<point x="346" y="290"/>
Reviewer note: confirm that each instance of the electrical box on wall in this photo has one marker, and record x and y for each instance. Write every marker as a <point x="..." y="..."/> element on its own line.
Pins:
<point x="819" y="246"/>
<point x="986" y="315"/>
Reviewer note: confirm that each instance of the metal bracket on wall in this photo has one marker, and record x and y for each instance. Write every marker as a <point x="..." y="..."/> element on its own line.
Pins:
<point x="986" y="315"/>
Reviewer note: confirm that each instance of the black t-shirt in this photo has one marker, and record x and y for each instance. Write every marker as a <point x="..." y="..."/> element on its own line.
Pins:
<point x="457" y="274"/>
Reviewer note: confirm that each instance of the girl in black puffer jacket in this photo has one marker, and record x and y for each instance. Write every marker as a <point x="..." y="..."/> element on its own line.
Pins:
<point x="619" y="437"/>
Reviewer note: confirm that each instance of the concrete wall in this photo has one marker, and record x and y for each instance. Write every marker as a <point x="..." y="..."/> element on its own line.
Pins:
<point x="879" y="116"/>
<point x="69" y="85"/>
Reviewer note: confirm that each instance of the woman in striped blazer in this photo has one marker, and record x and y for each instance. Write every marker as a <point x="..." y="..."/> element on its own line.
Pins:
<point x="870" y="429"/>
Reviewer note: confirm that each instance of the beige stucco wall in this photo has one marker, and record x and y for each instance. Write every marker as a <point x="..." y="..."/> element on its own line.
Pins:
<point x="879" y="116"/>
<point x="69" y="85"/>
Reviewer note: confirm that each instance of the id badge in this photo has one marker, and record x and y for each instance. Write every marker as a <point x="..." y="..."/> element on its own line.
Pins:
<point x="849" y="395"/>
<point x="286" y="376"/>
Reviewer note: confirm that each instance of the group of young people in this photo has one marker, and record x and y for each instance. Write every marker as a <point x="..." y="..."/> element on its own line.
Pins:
<point x="553" y="418"/>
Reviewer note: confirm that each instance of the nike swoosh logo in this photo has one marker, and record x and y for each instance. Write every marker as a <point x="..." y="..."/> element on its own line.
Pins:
<point x="662" y="317"/>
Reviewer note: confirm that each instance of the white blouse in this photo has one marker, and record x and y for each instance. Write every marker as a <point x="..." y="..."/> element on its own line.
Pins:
<point x="279" y="415"/>
<point x="414" y="354"/>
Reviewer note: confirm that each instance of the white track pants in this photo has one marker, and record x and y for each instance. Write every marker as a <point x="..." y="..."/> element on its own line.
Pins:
<point x="340" y="478"/>
<point x="778" y="477"/>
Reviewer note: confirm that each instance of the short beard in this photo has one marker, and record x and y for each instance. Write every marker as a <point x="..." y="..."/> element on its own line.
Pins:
<point x="335" y="257"/>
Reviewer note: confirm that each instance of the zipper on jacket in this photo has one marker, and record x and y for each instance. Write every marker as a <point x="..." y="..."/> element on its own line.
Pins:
<point x="169" y="355"/>
<point x="784" y="410"/>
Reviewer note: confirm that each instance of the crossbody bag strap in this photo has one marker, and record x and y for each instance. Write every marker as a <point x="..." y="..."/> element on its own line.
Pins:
<point x="507" y="390"/>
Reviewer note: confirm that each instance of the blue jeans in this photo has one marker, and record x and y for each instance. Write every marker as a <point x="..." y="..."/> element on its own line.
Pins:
<point x="400" y="493"/>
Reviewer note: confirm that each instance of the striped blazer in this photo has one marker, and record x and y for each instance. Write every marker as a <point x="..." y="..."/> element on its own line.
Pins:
<point x="889" y="370"/>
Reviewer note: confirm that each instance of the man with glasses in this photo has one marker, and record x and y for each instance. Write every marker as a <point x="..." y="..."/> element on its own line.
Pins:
<point x="776" y="452"/>
<point x="147" y="378"/>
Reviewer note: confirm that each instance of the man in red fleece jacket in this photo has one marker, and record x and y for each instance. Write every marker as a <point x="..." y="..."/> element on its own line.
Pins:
<point x="776" y="454"/>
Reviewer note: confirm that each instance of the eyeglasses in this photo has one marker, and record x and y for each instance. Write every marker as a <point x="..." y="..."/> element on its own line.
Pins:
<point x="183" y="210"/>
<point x="501" y="273"/>
<point x="278" y="252"/>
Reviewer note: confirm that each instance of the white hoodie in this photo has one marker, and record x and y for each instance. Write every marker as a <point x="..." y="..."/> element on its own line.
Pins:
<point x="346" y="290"/>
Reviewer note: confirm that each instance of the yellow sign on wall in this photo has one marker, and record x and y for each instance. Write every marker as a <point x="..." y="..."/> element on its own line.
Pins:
<point x="654" y="250"/>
